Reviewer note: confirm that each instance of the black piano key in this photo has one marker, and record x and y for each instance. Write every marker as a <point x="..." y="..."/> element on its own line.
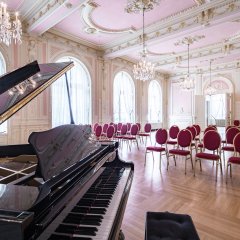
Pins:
<point x="74" y="218"/>
<point x="65" y="237"/>
<point x="98" y="196"/>
<point x="89" y="210"/>
<point x="62" y="228"/>
<point x="95" y="203"/>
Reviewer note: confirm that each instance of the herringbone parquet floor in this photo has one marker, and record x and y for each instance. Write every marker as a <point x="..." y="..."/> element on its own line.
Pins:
<point x="213" y="206"/>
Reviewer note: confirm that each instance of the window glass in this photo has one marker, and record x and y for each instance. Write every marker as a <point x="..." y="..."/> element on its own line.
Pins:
<point x="124" y="98"/>
<point x="79" y="83"/>
<point x="154" y="102"/>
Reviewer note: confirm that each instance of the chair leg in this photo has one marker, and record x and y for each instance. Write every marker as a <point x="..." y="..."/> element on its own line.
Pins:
<point x="227" y="173"/>
<point x="185" y="165"/>
<point x="191" y="161"/>
<point x="137" y="143"/>
<point x="200" y="163"/>
<point x="216" y="170"/>
<point x="220" y="162"/>
<point x="231" y="170"/>
<point x="145" y="158"/>
<point x="160" y="161"/>
<point x="194" y="170"/>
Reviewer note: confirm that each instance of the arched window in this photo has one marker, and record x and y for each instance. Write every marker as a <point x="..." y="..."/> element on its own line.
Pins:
<point x="154" y="102"/>
<point x="124" y="98"/>
<point x="79" y="82"/>
<point x="3" y="126"/>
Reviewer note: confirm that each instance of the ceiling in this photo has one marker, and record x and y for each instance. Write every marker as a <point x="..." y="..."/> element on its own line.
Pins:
<point x="105" y="25"/>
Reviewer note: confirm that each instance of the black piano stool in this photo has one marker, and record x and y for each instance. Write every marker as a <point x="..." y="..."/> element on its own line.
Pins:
<point x="169" y="226"/>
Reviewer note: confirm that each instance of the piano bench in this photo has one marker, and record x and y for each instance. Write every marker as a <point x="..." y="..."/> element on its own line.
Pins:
<point x="169" y="226"/>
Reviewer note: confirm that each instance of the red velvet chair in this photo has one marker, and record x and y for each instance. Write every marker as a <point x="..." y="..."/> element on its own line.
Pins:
<point x="184" y="140"/>
<point x="123" y="132"/>
<point x="132" y="136"/>
<point x="94" y="127"/>
<point x="110" y="132"/>
<point x="193" y="131"/>
<point x="235" y="159"/>
<point x="98" y="132"/>
<point x="211" y="150"/>
<point x="198" y="130"/>
<point x="104" y="129"/>
<point x="210" y="128"/>
<point x="119" y="126"/>
<point x="160" y="146"/>
<point x="146" y="133"/>
<point x="228" y="146"/>
<point x="173" y="133"/>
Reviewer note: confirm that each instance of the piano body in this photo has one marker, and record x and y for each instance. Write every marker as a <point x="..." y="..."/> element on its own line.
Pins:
<point x="62" y="185"/>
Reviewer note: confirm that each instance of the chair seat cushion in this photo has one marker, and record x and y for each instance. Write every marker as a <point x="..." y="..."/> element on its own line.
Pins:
<point x="179" y="152"/>
<point x="228" y="148"/>
<point x="156" y="149"/>
<point x="169" y="226"/>
<point x="235" y="160"/>
<point x="119" y="136"/>
<point x="144" y="134"/>
<point x="208" y="156"/>
<point x="200" y="145"/>
<point x="172" y="142"/>
<point x="129" y="137"/>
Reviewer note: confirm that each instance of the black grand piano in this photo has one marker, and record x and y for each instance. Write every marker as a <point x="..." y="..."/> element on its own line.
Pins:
<point x="62" y="185"/>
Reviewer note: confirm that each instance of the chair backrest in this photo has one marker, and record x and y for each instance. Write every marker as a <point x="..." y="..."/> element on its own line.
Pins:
<point x="229" y="126"/>
<point x="147" y="127"/>
<point x="110" y="131"/>
<point x="111" y="123"/>
<point x="115" y="127"/>
<point x="105" y="127"/>
<point x="184" y="138"/>
<point x="231" y="133"/>
<point x="98" y="131"/>
<point x="211" y="140"/>
<point x="209" y="128"/>
<point x="193" y="131"/>
<point x="236" y="143"/>
<point x="124" y="129"/>
<point x="236" y="123"/>
<point x="95" y="126"/>
<point x="139" y="126"/>
<point x="119" y="126"/>
<point x="161" y="136"/>
<point x="134" y="129"/>
<point x="198" y="128"/>
<point x="129" y="126"/>
<point x="173" y="131"/>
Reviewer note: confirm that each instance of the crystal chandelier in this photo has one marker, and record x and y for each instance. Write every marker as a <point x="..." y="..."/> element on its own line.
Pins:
<point x="188" y="82"/>
<point x="136" y="6"/>
<point x="210" y="90"/>
<point x="143" y="70"/>
<point x="10" y="29"/>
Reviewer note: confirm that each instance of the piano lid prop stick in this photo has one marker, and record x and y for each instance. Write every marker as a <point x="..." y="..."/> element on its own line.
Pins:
<point x="69" y="100"/>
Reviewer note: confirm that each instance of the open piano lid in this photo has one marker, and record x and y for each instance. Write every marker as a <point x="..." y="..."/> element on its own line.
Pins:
<point x="42" y="74"/>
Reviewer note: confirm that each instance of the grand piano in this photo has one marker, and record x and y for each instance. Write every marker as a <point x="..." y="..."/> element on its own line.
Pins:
<point x="63" y="184"/>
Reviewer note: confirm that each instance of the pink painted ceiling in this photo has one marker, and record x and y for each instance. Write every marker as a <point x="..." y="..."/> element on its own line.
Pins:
<point x="111" y="15"/>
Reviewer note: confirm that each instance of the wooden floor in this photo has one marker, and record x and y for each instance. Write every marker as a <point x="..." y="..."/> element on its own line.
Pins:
<point x="213" y="206"/>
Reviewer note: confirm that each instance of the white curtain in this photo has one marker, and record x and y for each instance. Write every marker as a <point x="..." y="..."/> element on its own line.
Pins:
<point x="80" y="95"/>
<point x="3" y="126"/>
<point x="124" y="98"/>
<point x="154" y="102"/>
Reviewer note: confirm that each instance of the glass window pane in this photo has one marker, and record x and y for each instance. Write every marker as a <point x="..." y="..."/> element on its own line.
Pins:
<point x="154" y="102"/>
<point x="124" y="98"/>
<point x="80" y="95"/>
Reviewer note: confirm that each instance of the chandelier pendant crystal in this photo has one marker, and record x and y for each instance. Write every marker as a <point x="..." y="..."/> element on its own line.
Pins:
<point x="10" y="27"/>
<point x="143" y="70"/>
<point x="210" y="90"/>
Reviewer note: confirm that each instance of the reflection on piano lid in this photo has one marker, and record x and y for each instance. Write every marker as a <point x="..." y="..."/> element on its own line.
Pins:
<point x="48" y="73"/>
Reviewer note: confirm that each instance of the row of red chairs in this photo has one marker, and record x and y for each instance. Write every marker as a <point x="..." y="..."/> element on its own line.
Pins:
<point x="210" y="147"/>
<point x="122" y="131"/>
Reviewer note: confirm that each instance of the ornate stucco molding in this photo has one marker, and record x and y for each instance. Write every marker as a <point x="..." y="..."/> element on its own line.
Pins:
<point x="93" y="27"/>
<point x="192" y="18"/>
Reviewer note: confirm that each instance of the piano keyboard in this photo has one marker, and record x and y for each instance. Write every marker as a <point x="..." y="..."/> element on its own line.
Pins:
<point x="91" y="213"/>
